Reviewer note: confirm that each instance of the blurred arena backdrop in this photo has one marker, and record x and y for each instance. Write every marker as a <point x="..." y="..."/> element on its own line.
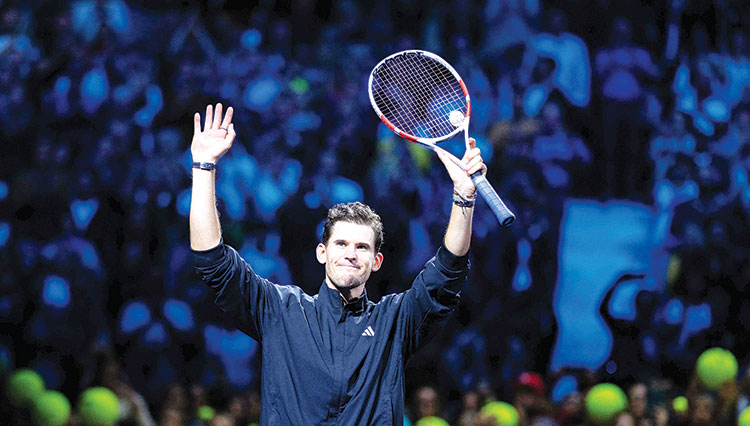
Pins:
<point x="618" y="131"/>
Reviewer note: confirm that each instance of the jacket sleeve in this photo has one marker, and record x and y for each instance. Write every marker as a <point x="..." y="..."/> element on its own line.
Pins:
<point x="434" y="294"/>
<point x="248" y="299"/>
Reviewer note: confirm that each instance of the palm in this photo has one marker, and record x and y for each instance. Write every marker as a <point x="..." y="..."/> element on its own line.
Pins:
<point x="213" y="143"/>
<point x="461" y="180"/>
<point x="214" y="140"/>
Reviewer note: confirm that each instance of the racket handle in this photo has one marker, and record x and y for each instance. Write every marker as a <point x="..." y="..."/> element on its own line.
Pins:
<point x="503" y="214"/>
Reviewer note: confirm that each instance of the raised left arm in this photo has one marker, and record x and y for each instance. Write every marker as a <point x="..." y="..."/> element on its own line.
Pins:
<point x="458" y="235"/>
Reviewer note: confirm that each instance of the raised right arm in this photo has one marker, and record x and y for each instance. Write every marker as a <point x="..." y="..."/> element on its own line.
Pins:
<point x="245" y="297"/>
<point x="208" y="146"/>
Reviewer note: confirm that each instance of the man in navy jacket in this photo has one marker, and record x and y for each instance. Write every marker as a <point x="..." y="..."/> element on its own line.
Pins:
<point x="335" y="358"/>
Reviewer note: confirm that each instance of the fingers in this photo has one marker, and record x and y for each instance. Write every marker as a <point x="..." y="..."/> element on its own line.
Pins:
<point x="475" y="166"/>
<point x="231" y="134"/>
<point x="197" y="123"/>
<point x="472" y="143"/>
<point x="209" y="117"/>
<point x="473" y="159"/>
<point x="227" y="118"/>
<point x="471" y="154"/>
<point x="213" y="118"/>
<point x="217" y="115"/>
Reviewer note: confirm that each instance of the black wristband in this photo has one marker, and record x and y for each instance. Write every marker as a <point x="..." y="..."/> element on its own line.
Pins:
<point x="463" y="203"/>
<point x="204" y="166"/>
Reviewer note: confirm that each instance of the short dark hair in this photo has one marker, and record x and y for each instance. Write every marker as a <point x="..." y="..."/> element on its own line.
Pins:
<point x="354" y="212"/>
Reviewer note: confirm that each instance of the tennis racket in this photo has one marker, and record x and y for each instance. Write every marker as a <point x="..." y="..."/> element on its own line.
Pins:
<point x="420" y="97"/>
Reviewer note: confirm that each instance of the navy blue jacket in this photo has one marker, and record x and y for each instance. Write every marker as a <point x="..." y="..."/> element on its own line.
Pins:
<point x="325" y="362"/>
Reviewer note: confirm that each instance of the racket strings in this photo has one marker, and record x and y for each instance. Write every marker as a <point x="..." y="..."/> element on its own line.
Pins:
<point x="417" y="94"/>
<point x="421" y="82"/>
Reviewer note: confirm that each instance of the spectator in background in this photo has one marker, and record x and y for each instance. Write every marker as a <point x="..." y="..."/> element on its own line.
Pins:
<point x="107" y="372"/>
<point x="625" y="71"/>
<point x="529" y="393"/>
<point x="572" y="69"/>
<point x="471" y="403"/>
<point x="507" y="30"/>
<point x="426" y="403"/>
<point x="625" y="419"/>
<point x="563" y="158"/>
<point x="638" y="404"/>
<point x="222" y="420"/>
<point x="174" y="407"/>
<point x="702" y="410"/>
<point x="572" y="410"/>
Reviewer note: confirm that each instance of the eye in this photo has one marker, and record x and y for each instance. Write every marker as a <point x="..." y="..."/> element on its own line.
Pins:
<point x="340" y="244"/>
<point x="362" y="247"/>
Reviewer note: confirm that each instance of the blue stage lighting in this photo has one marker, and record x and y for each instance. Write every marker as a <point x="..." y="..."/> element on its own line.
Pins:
<point x="565" y="386"/>
<point x="135" y="315"/>
<point x="156" y="335"/>
<point x="4" y="233"/>
<point x="56" y="292"/>
<point x="179" y="314"/>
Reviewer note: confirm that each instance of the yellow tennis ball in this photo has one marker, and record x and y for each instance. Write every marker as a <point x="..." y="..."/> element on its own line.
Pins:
<point x="744" y="418"/>
<point x="604" y="401"/>
<point x="51" y="409"/>
<point x="456" y="118"/>
<point x="23" y="387"/>
<point x="680" y="404"/>
<point x="715" y="367"/>
<point x="206" y="413"/>
<point x="431" y="421"/>
<point x="98" y="406"/>
<point x="503" y="413"/>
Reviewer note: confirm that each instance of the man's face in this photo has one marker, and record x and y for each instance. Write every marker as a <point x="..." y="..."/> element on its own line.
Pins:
<point x="349" y="255"/>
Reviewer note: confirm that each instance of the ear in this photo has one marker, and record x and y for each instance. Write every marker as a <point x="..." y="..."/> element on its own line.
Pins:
<point x="320" y="253"/>
<point x="378" y="261"/>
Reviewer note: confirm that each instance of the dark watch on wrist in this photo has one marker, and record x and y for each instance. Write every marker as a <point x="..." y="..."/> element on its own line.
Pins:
<point x="204" y="166"/>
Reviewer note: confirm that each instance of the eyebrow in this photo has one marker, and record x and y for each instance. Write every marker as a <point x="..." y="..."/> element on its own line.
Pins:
<point x="361" y="243"/>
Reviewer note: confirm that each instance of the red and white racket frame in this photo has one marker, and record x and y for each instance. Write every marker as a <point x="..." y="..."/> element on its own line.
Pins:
<point x="427" y="142"/>
<point x="498" y="207"/>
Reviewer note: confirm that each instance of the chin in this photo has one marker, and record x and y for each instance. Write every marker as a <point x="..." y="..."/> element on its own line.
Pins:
<point x="348" y="284"/>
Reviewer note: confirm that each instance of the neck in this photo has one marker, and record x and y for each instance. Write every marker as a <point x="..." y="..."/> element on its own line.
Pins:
<point x="347" y="293"/>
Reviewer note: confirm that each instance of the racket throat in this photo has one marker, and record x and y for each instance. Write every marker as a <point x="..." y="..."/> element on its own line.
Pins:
<point x="452" y="157"/>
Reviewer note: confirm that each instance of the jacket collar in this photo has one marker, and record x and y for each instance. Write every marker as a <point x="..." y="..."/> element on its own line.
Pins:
<point x="333" y="299"/>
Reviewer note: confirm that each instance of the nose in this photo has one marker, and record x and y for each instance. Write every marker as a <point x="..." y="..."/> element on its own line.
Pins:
<point x="350" y="252"/>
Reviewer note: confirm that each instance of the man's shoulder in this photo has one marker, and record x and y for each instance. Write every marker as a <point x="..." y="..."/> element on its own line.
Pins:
<point x="387" y="300"/>
<point x="293" y="291"/>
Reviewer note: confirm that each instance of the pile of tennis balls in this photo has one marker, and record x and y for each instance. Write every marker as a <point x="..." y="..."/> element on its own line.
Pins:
<point x="25" y="390"/>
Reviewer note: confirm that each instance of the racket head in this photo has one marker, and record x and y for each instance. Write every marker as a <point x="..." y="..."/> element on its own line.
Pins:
<point x="414" y="93"/>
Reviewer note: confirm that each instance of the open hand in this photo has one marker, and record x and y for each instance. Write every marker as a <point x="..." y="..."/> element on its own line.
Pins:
<point x="217" y="135"/>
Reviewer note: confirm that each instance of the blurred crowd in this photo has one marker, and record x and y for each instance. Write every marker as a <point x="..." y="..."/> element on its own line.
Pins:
<point x="591" y="99"/>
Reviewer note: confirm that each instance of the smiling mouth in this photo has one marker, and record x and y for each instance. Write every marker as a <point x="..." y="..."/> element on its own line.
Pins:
<point x="348" y="266"/>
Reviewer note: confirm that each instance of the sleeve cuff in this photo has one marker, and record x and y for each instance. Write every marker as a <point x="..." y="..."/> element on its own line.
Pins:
<point x="450" y="261"/>
<point x="212" y="256"/>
